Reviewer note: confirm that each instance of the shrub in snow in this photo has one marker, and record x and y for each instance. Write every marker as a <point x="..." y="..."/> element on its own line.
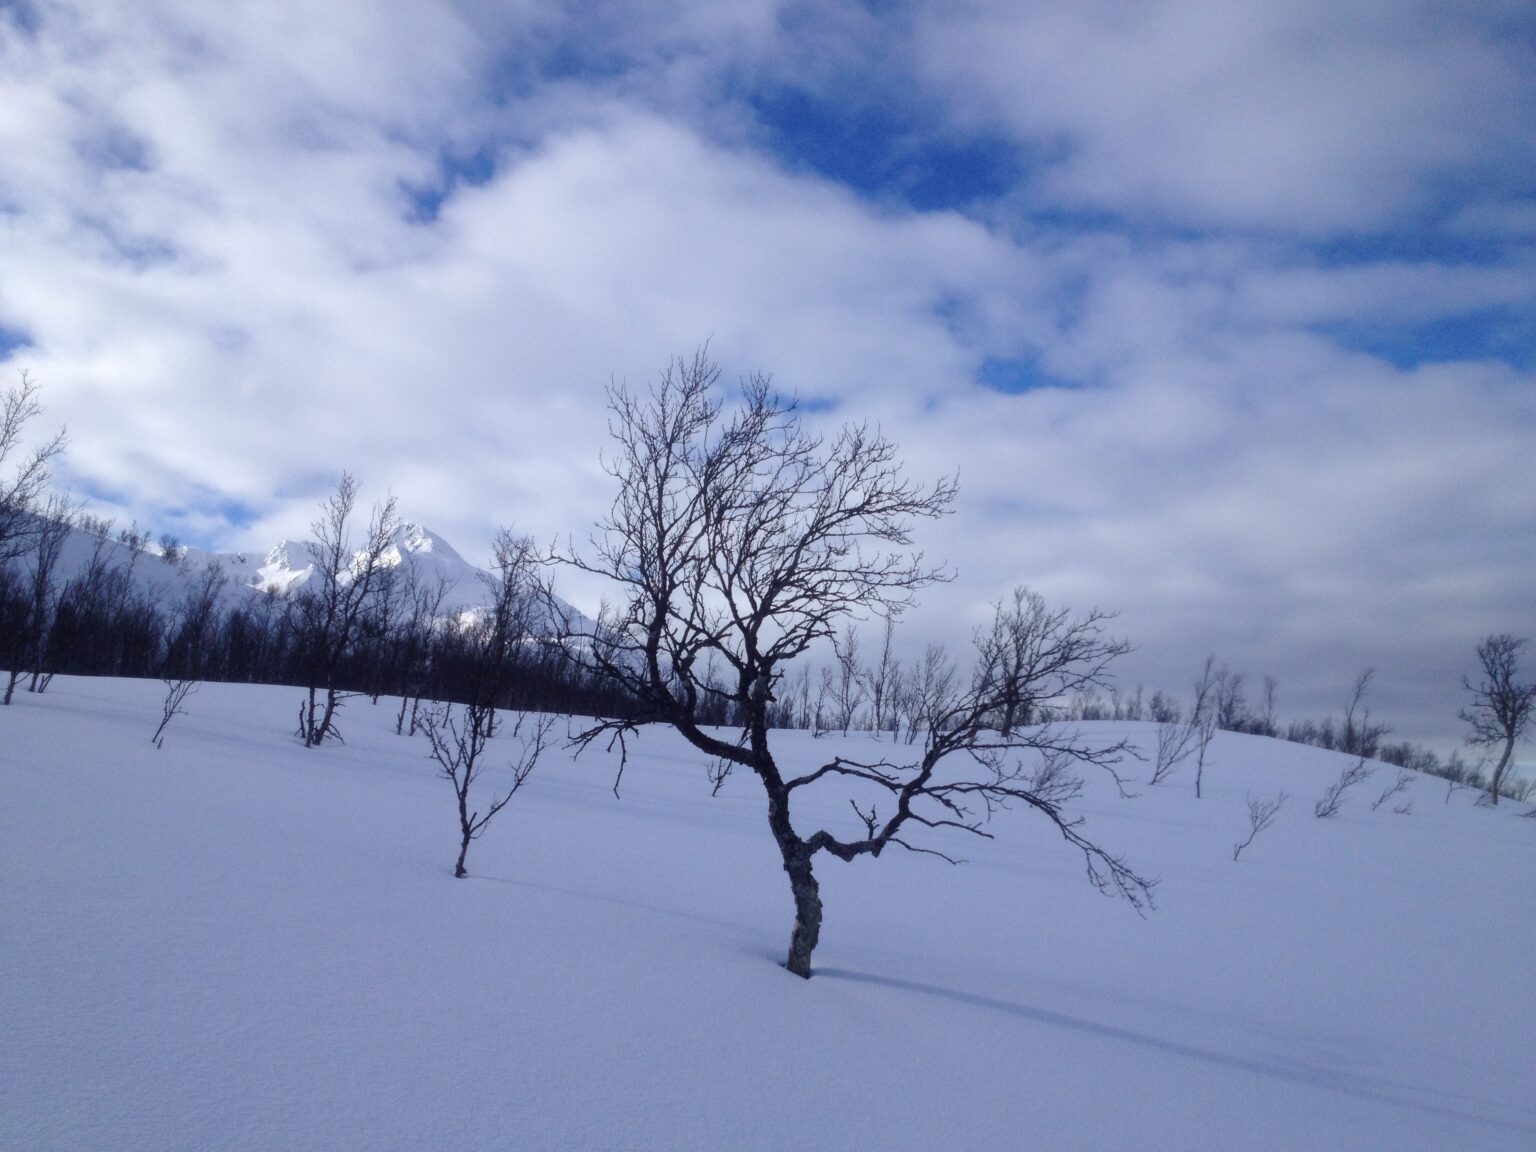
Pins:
<point x="1333" y="799"/>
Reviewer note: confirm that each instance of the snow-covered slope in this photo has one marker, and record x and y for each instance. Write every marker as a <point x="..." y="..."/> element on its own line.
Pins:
<point x="241" y="944"/>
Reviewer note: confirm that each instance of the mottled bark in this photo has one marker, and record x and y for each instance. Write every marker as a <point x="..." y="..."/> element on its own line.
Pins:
<point x="807" y="894"/>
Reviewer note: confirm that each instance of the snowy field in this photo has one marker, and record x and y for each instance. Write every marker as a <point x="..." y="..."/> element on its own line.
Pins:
<point x="235" y="943"/>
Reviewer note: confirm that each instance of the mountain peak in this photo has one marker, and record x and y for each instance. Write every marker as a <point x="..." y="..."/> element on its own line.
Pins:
<point x="417" y="540"/>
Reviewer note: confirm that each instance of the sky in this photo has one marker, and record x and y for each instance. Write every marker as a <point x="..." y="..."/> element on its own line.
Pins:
<point x="1224" y="312"/>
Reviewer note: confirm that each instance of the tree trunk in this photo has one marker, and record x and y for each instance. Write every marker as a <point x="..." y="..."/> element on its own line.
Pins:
<point x="1498" y="773"/>
<point x="307" y="716"/>
<point x="329" y="716"/>
<point x="466" y="824"/>
<point x="807" y="894"/>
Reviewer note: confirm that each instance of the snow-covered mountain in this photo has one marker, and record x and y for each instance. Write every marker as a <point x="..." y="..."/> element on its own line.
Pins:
<point x="289" y="566"/>
<point x="286" y="569"/>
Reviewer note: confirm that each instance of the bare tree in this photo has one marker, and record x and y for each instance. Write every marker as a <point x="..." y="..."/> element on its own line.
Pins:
<point x="1332" y="799"/>
<point x="414" y="642"/>
<point x="932" y="682"/>
<point x="881" y="679"/>
<point x="1501" y="704"/>
<point x="1266" y="722"/>
<point x="176" y="693"/>
<point x="800" y="695"/>
<point x="745" y="536"/>
<point x="458" y="743"/>
<point x="847" y="683"/>
<point x="1175" y="741"/>
<point x="189" y="635"/>
<point x="1261" y="814"/>
<point x="1398" y="787"/>
<point x="1360" y="737"/>
<point x="28" y="472"/>
<point x="1202" y="715"/>
<point x="819" y="712"/>
<point x="28" y="646"/>
<point x="1164" y="708"/>
<point x="494" y="640"/>
<point x="1130" y="707"/>
<point x="330" y="611"/>
<point x="1011" y="649"/>
<point x="381" y="622"/>
<point x="1231" y="701"/>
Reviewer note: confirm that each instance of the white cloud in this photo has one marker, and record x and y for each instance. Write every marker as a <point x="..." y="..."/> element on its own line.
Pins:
<point x="207" y="231"/>
<point x="1305" y="116"/>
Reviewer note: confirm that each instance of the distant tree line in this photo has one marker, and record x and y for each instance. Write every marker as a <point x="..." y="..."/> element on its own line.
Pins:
<point x="362" y="627"/>
<point x="101" y="621"/>
<point x="881" y="694"/>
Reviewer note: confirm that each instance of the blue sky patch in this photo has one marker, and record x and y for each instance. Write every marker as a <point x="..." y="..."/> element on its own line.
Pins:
<point x="1494" y="334"/>
<point x="1016" y="375"/>
<point x="188" y="522"/>
<point x="453" y="172"/>
<point x="1429" y="243"/>
<point x="816" y="405"/>
<point x="12" y="339"/>
<point x="884" y="150"/>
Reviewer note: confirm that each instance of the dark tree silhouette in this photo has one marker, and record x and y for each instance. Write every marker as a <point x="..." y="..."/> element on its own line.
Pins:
<point x="745" y="539"/>
<point x="1501" y="704"/>
<point x="24" y="475"/>
<point x="1261" y="814"/>
<point x="330" y="612"/>
<point x="493" y="644"/>
<point x="34" y="617"/>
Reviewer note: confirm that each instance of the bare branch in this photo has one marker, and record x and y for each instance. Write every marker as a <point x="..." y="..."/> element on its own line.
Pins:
<point x="176" y="693"/>
<point x="1175" y="741"/>
<point x="1261" y="814"/>
<point x="1333" y="798"/>
<point x="1400" y="785"/>
<point x="29" y="472"/>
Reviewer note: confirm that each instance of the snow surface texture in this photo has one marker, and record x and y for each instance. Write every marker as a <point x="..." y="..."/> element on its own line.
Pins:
<point x="235" y="943"/>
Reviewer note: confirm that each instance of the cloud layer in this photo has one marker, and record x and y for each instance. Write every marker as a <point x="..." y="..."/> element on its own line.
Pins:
<point x="1221" y="311"/>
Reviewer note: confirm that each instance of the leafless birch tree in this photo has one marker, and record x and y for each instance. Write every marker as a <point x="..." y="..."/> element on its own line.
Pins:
<point x="1358" y="772"/>
<point x="459" y="736"/>
<point x="1202" y="716"/>
<point x="744" y="536"/>
<point x="1261" y="814"/>
<point x="332" y="608"/>
<point x="882" y="680"/>
<point x="45" y="540"/>
<point x="24" y="474"/>
<point x="1501" y="705"/>
<point x="176" y="693"/>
